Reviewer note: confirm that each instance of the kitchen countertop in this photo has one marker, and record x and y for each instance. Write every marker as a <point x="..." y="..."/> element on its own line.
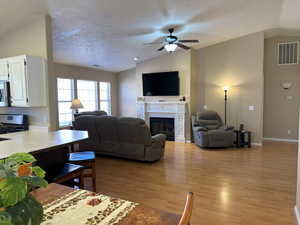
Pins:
<point x="33" y="141"/>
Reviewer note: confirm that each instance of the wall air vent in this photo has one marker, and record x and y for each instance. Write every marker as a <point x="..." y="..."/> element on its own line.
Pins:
<point x="288" y="53"/>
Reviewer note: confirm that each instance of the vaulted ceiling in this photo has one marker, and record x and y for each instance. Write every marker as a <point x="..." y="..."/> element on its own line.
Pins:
<point x="111" y="33"/>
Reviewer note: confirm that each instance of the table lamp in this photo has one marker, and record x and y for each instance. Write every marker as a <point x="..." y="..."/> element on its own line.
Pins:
<point x="76" y="104"/>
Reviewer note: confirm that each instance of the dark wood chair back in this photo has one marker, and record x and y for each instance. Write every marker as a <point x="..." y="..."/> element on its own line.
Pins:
<point x="52" y="162"/>
<point x="187" y="212"/>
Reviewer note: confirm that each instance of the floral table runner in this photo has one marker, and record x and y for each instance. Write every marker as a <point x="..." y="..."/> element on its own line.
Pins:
<point x="82" y="207"/>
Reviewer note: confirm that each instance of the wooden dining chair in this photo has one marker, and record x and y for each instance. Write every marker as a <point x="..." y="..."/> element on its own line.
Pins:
<point x="187" y="212"/>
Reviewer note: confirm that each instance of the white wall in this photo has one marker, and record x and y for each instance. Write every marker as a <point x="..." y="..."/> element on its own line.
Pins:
<point x="127" y="93"/>
<point x="177" y="61"/>
<point x="238" y="64"/>
<point x="30" y="39"/>
<point x="278" y="110"/>
<point x="297" y="207"/>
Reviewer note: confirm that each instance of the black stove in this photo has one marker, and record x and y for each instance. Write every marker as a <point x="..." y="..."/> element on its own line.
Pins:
<point x="10" y="123"/>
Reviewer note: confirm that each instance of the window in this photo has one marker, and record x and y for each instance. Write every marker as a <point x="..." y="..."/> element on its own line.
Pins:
<point x="87" y="93"/>
<point x="65" y="95"/>
<point x="92" y="94"/>
<point x="105" y="99"/>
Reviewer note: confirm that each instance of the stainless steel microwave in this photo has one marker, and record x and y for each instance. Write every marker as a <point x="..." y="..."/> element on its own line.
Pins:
<point x="4" y="94"/>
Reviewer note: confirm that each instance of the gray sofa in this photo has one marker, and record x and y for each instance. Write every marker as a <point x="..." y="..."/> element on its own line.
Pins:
<point x="209" y="132"/>
<point x="91" y="113"/>
<point x="123" y="137"/>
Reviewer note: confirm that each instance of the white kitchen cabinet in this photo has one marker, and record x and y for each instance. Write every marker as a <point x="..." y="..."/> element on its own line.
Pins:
<point x="3" y="69"/>
<point x="27" y="77"/>
<point x="18" y="80"/>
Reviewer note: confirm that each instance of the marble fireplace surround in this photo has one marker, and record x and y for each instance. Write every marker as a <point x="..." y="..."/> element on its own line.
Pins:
<point x="167" y="109"/>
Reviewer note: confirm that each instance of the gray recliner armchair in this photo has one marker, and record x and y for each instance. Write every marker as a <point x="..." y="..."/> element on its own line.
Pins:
<point x="209" y="131"/>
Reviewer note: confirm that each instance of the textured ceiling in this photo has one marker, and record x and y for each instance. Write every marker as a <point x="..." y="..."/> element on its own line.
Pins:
<point x="111" y="33"/>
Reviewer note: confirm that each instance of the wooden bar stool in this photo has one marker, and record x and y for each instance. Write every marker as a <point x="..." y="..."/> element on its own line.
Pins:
<point x="88" y="160"/>
<point x="68" y="173"/>
<point x="58" y="170"/>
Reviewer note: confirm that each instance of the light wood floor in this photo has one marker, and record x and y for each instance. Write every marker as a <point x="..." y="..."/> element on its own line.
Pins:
<point x="237" y="186"/>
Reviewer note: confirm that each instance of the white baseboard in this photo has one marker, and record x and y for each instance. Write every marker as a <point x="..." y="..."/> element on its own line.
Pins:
<point x="281" y="139"/>
<point x="256" y="144"/>
<point x="296" y="211"/>
<point x="181" y="141"/>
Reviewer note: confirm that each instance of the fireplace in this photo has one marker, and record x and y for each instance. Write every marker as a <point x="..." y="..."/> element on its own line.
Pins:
<point x="176" y="110"/>
<point x="163" y="126"/>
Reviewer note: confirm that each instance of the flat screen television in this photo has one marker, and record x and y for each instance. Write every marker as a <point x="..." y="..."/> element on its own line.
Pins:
<point x="161" y="84"/>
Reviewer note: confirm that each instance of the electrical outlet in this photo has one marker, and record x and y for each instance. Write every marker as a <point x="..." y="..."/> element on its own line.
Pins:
<point x="205" y="107"/>
<point x="289" y="97"/>
<point x="289" y="132"/>
<point x="251" y="108"/>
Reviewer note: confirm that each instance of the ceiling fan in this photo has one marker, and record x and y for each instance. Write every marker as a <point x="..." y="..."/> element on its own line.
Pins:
<point x="171" y="42"/>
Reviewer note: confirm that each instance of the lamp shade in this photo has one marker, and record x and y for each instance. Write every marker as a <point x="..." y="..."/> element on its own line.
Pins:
<point x="225" y="88"/>
<point x="76" y="104"/>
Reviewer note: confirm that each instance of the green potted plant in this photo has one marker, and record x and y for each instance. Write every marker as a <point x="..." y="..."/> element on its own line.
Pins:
<point x="18" y="176"/>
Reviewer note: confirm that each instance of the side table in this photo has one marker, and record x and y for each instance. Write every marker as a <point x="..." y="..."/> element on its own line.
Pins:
<point x="243" y="138"/>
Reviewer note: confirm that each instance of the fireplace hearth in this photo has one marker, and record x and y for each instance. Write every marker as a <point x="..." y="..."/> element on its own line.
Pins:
<point x="165" y="126"/>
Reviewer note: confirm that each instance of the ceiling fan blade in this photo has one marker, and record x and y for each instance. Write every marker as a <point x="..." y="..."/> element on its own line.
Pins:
<point x="189" y="41"/>
<point x="183" y="46"/>
<point x="160" y="49"/>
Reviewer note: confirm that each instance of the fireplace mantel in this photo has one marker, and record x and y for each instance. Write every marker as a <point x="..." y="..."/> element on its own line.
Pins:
<point x="167" y="109"/>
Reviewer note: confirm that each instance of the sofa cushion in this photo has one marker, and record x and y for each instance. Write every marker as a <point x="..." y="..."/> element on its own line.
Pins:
<point x="208" y="122"/>
<point x="208" y="115"/>
<point x="107" y="132"/>
<point x="212" y="127"/>
<point x="197" y="129"/>
<point x="88" y="123"/>
<point x="133" y="130"/>
<point x="90" y="113"/>
<point x="131" y="120"/>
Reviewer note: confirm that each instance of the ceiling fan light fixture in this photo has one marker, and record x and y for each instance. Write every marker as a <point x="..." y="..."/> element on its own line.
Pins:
<point x="170" y="47"/>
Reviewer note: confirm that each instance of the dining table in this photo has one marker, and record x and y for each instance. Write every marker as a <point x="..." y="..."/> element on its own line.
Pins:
<point x="64" y="205"/>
